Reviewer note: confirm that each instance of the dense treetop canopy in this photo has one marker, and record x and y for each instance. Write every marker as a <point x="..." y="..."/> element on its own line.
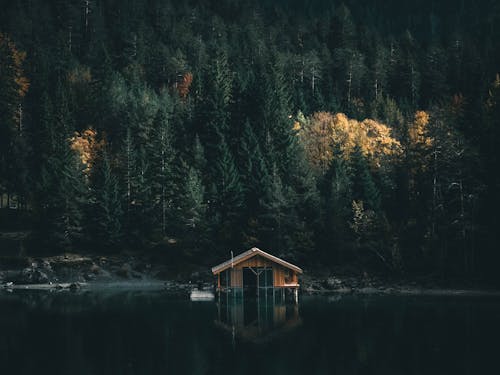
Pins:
<point x="362" y="131"/>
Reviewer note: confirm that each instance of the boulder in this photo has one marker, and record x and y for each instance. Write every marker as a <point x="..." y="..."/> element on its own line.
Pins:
<point x="40" y="277"/>
<point x="136" y="275"/>
<point x="333" y="283"/>
<point x="124" y="271"/>
<point x="95" y="269"/>
<point x="26" y="276"/>
<point x="47" y="266"/>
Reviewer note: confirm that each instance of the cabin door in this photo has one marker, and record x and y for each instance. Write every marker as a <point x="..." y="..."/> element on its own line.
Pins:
<point x="249" y="282"/>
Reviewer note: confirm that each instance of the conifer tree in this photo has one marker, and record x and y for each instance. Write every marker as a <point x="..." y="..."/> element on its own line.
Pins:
<point x="13" y="88"/>
<point x="256" y="184"/>
<point x="282" y="226"/>
<point x="277" y="137"/>
<point x="105" y="215"/>
<point x="61" y="184"/>
<point x="338" y="206"/>
<point x="162" y="154"/>
<point x="226" y="197"/>
<point x="254" y="173"/>
<point x="214" y="114"/>
<point x="190" y="214"/>
<point x="364" y="187"/>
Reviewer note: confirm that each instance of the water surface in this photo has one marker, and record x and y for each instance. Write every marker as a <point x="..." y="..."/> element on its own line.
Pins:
<point x="134" y="332"/>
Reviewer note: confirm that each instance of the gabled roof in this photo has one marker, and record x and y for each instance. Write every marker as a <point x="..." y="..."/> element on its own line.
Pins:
<point x="250" y="254"/>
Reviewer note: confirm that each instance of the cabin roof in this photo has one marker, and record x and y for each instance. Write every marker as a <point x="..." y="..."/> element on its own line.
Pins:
<point x="250" y="254"/>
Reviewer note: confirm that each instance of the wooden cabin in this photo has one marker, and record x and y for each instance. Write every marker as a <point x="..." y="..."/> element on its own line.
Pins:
<point x="256" y="271"/>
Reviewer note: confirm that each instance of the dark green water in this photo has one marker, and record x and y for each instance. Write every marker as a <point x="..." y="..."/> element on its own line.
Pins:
<point x="152" y="333"/>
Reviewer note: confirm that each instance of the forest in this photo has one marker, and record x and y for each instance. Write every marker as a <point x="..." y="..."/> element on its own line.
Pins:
<point x="363" y="132"/>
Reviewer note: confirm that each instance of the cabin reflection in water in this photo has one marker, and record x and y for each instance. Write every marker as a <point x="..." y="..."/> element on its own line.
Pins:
<point x="256" y="319"/>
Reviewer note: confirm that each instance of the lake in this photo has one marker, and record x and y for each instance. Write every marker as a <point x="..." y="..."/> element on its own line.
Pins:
<point x="151" y="332"/>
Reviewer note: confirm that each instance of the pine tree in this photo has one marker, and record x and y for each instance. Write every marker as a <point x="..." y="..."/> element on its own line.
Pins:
<point x="13" y="88"/>
<point x="105" y="213"/>
<point x="162" y="154"/>
<point x="62" y="183"/>
<point x="198" y="160"/>
<point x="339" y="206"/>
<point x="254" y="173"/>
<point x="282" y="227"/>
<point x="191" y="219"/>
<point x="141" y="109"/>
<point x="255" y="182"/>
<point x="364" y="188"/>
<point x="277" y="138"/>
<point x="215" y="106"/>
<point x="226" y="197"/>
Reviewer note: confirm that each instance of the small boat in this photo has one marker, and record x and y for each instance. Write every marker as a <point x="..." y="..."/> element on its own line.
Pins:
<point x="201" y="295"/>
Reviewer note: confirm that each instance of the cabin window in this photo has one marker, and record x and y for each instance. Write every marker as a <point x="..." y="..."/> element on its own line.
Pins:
<point x="288" y="276"/>
<point x="265" y="277"/>
<point x="225" y="279"/>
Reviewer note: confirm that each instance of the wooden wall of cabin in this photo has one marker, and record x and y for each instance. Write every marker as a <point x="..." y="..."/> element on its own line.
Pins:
<point x="237" y="277"/>
<point x="283" y="276"/>
<point x="256" y="261"/>
<point x="279" y="276"/>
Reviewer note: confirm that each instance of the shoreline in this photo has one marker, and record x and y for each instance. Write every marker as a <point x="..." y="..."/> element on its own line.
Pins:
<point x="177" y="288"/>
<point x="135" y="271"/>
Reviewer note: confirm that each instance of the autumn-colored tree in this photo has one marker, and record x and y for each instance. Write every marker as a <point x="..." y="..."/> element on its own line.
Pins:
<point x="418" y="131"/>
<point x="184" y="85"/>
<point x="15" y="84"/>
<point x="324" y="130"/>
<point x="86" y="145"/>
<point x="418" y="148"/>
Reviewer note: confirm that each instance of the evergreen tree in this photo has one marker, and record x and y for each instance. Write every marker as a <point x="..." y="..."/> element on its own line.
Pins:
<point x="364" y="188"/>
<point x="226" y="197"/>
<point x="254" y="173"/>
<point x="215" y="106"/>
<point x="162" y="154"/>
<point x="338" y="208"/>
<point x="276" y="136"/>
<point x="105" y="213"/>
<point x="256" y="184"/>
<point x="61" y="184"/>
<point x="13" y="88"/>
<point x="191" y="219"/>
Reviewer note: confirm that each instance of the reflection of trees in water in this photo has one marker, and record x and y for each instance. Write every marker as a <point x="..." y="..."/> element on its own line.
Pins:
<point x="152" y="333"/>
<point x="256" y="320"/>
<point x="69" y="302"/>
<point x="116" y="332"/>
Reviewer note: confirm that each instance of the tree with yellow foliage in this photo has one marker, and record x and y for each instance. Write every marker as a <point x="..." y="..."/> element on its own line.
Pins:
<point x="418" y="131"/>
<point x="418" y="148"/>
<point x="323" y="131"/>
<point x="86" y="145"/>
